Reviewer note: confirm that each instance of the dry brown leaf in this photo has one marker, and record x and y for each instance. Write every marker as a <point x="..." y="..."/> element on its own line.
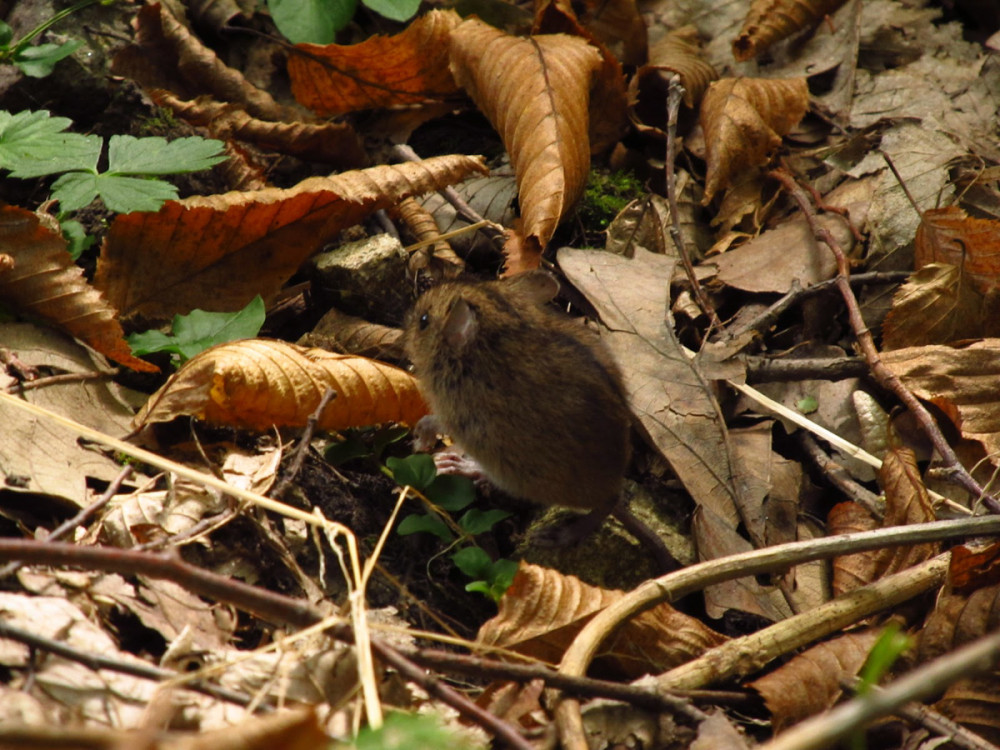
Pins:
<point x="678" y="52"/>
<point x="438" y="258"/>
<point x="975" y="704"/>
<point x="743" y="120"/>
<point x="330" y="142"/>
<point x="770" y="21"/>
<point x="958" y="620"/>
<point x="974" y="565"/>
<point x="960" y="379"/>
<point x="261" y="383"/>
<point x="608" y="98"/>
<point x="218" y="252"/>
<point x="45" y="282"/>
<point x="937" y="305"/>
<point x="383" y="71"/>
<point x="811" y="682"/>
<point x="949" y="235"/>
<point x="907" y="502"/>
<point x="615" y="25"/>
<point x="347" y="334"/>
<point x="536" y="93"/>
<point x="166" y="55"/>
<point x="543" y="610"/>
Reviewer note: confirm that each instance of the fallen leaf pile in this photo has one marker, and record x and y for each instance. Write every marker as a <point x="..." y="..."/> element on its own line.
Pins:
<point x="215" y="536"/>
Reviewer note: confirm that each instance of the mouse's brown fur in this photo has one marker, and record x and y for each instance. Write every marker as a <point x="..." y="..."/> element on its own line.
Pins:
<point x="534" y="397"/>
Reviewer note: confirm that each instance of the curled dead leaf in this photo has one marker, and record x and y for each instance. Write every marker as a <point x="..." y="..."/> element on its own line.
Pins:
<point x="44" y="281"/>
<point x="743" y="120"/>
<point x="408" y="68"/>
<point x="543" y="610"/>
<point x="261" y="383"/>
<point x="535" y="91"/>
<point x="770" y="21"/>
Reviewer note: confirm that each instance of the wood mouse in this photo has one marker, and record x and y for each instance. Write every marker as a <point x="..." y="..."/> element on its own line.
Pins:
<point x="535" y="398"/>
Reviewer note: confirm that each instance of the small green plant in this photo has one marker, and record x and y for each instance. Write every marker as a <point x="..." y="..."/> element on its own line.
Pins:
<point x="606" y="194"/>
<point x="891" y="644"/>
<point x="40" y="60"/>
<point x="318" y="21"/>
<point x="199" y="330"/>
<point x="402" y="731"/>
<point x="363" y="442"/>
<point x="35" y="144"/>
<point x="453" y="494"/>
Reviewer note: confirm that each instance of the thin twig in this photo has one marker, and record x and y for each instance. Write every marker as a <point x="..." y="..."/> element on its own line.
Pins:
<point x="303" y="447"/>
<point x="96" y="661"/>
<point x="81" y="518"/>
<point x="784" y="369"/>
<point x="65" y="377"/>
<point x="840" y="478"/>
<point x="883" y="375"/>
<point x="675" y="93"/>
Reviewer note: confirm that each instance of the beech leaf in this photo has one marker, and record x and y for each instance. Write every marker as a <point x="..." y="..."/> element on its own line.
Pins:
<point x="535" y="91"/>
<point x="261" y="383"/>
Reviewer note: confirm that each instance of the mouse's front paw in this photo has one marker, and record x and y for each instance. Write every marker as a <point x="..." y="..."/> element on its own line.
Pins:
<point x="451" y="461"/>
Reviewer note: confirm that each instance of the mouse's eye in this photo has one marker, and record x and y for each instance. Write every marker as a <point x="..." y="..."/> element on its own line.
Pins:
<point x="424" y="320"/>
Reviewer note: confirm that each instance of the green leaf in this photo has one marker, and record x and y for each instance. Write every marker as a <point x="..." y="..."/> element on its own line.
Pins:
<point x="75" y="190"/>
<point x="78" y="242"/>
<point x="477" y="521"/>
<point x="386" y="436"/>
<point x="6" y="34"/>
<point x="313" y="21"/>
<point x="451" y="492"/>
<point x="807" y="405"/>
<point x="887" y="649"/>
<point x="474" y="562"/>
<point x="351" y="447"/>
<point x="397" y="10"/>
<point x="503" y="576"/>
<point x="40" y="61"/>
<point x="410" y="732"/>
<point x="32" y="144"/>
<point x="417" y="471"/>
<point x="418" y="522"/>
<point x="152" y="156"/>
<point x="198" y="330"/>
<point x="126" y="194"/>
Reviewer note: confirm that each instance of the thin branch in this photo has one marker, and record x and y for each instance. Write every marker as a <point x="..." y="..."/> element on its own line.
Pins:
<point x="883" y="375"/>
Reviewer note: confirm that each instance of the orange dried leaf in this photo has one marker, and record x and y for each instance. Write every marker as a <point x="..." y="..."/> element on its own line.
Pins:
<point x="338" y="332"/>
<point x="45" y="282"/>
<point x="770" y="21"/>
<point x="218" y="252"/>
<point x="949" y="235"/>
<point x="260" y="383"/>
<point x="743" y="120"/>
<point x="383" y="71"/>
<point x="543" y="610"/>
<point x="535" y="92"/>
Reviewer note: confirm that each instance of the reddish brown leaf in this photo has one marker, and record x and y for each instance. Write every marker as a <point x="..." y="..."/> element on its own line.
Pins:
<point x="812" y="682"/>
<point x="907" y="502"/>
<point x="543" y="610"/>
<point x="949" y="235"/>
<point x="535" y="92"/>
<point x="959" y="379"/>
<point x="974" y="568"/>
<point x="218" y="252"/>
<point x="346" y="334"/>
<point x="260" y="383"/>
<point x="743" y="120"/>
<point x="437" y="257"/>
<point x="382" y="71"/>
<point x="44" y="281"/>
<point x="770" y="21"/>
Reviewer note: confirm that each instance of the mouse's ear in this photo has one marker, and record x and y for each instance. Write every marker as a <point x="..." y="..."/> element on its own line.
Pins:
<point x="536" y="286"/>
<point x="461" y="325"/>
